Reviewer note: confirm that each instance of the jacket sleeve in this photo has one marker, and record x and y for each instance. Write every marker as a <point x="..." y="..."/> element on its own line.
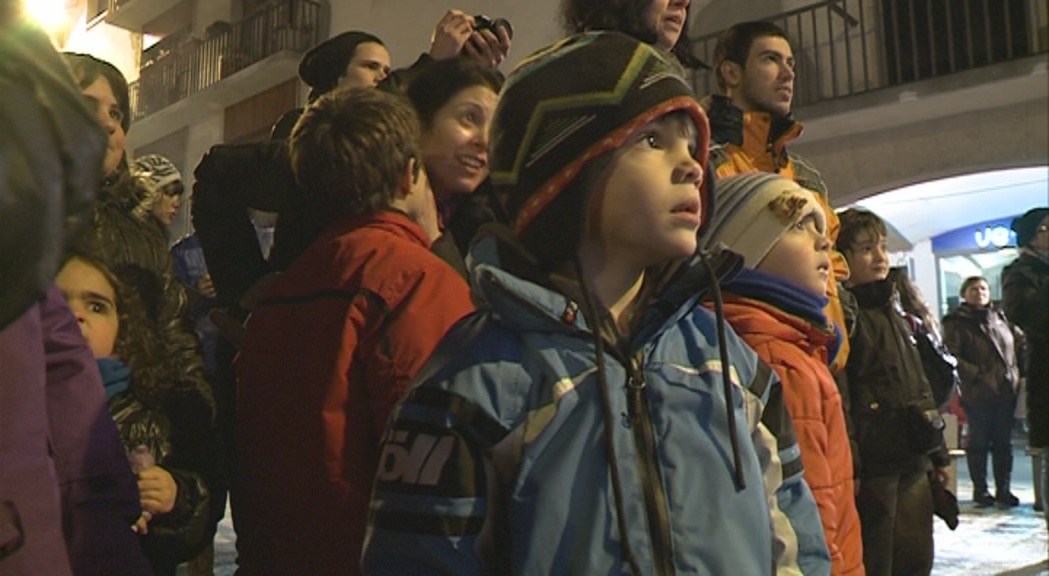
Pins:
<point x="183" y="532"/>
<point x="230" y="179"/>
<point x="814" y="442"/>
<point x="435" y="486"/>
<point x="406" y="336"/>
<point x="954" y="338"/>
<point x="99" y="495"/>
<point x="799" y="543"/>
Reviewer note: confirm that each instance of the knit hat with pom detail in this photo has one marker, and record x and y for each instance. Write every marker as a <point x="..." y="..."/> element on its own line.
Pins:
<point x="754" y="211"/>
<point x="563" y="107"/>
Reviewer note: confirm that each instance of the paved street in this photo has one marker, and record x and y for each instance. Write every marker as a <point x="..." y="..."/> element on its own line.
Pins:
<point x="987" y="541"/>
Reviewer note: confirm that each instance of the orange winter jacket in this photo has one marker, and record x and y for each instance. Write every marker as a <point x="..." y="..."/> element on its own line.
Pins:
<point x="797" y="350"/>
<point x="755" y="142"/>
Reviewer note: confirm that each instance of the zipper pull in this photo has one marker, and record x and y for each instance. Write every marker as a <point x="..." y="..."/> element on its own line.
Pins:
<point x="635" y="385"/>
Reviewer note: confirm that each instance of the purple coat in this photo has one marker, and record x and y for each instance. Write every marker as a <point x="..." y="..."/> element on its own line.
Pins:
<point x="63" y="471"/>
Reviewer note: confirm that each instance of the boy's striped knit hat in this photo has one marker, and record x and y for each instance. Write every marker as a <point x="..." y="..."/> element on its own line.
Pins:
<point x="566" y="105"/>
<point x="754" y="210"/>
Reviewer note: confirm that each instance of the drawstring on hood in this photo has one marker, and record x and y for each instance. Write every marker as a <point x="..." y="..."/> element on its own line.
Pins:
<point x="726" y="384"/>
<point x="608" y="420"/>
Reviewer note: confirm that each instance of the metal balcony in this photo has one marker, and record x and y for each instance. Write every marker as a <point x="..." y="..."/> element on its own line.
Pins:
<point x="282" y="31"/>
<point x="849" y="47"/>
<point x="134" y="14"/>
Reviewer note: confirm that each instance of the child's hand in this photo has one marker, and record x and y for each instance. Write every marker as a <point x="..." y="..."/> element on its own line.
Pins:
<point x="157" y="489"/>
<point x="450" y="34"/>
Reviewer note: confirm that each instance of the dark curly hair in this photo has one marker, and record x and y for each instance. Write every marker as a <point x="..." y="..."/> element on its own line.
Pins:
<point x="139" y="344"/>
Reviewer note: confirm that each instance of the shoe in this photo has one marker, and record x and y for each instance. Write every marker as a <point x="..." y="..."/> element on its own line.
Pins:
<point x="983" y="500"/>
<point x="1007" y="500"/>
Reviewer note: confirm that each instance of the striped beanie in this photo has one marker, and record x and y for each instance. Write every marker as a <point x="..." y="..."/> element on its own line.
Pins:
<point x="563" y="107"/>
<point x="157" y="170"/>
<point x="754" y="210"/>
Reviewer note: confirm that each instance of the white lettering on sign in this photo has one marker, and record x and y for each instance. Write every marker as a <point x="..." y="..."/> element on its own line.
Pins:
<point x="996" y="236"/>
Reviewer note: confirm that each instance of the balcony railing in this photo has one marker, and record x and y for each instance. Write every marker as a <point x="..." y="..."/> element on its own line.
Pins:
<point x="847" y="47"/>
<point x="195" y="64"/>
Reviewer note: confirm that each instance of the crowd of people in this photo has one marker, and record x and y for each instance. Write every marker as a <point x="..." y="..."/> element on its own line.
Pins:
<point x="573" y="319"/>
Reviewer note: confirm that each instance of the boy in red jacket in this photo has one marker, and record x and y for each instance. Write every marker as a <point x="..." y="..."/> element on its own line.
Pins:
<point x="776" y="305"/>
<point x="338" y="337"/>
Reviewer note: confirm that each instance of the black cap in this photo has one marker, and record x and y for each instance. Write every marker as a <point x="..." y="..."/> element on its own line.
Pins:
<point x="326" y="62"/>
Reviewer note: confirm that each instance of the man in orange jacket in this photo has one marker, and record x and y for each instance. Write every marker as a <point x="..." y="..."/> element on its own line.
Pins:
<point x="751" y="125"/>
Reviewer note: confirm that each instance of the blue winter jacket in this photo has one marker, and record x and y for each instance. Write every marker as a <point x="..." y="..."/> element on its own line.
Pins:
<point x="496" y="462"/>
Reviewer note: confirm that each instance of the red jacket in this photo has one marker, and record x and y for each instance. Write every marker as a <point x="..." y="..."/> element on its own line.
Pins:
<point x="797" y="351"/>
<point x="325" y="357"/>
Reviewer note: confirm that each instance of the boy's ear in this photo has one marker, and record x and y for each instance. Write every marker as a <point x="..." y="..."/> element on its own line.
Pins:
<point x="408" y="178"/>
<point x="732" y="73"/>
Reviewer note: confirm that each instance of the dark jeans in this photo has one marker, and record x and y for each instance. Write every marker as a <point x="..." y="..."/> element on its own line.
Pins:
<point x="896" y="524"/>
<point x="990" y="430"/>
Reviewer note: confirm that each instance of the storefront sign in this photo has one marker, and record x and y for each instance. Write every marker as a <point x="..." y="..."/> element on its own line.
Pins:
<point x="981" y="237"/>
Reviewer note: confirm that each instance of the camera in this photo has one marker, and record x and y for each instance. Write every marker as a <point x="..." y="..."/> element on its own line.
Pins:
<point x="482" y="22"/>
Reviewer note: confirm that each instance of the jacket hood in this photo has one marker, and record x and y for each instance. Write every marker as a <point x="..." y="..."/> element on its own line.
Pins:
<point x="129" y="192"/>
<point x="525" y="299"/>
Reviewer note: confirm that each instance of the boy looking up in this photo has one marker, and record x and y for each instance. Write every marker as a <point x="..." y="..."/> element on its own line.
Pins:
<point x="581" y="423"/>
<point x="338" y="337"/>
<point x="776" y="304"/>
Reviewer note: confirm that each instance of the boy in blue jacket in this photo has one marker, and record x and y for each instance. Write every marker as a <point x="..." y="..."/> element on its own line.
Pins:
<point x="581" y="423"/>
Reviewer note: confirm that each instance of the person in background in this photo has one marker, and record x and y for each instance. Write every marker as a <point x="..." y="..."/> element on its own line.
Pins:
<point x="164" y="419"/>
<point x="751" y="124"/>
<point x="67" y="495"/>
<point x="123" y="230"/>
<point x="336" y="340"/>
<point x="566" y="425"/>
<point x="776" y="305"/>
<point x="982" y="339"/>
<point x="455" y="100"/>
<point x="661" y="23"/>
<point x="1025" y="298"/>
<point x="897" y="426"/>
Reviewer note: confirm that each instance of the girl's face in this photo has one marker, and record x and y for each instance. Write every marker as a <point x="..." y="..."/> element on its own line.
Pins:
<point x="94" y="304"/>
<point x="100" y="98"/>
<point x="455" y="146"/>
<point x="168" y="204"/>
<point x="978" y="294"/>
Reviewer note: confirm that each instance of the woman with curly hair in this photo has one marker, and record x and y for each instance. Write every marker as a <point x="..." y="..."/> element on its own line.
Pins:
<point x="164" y="418"/>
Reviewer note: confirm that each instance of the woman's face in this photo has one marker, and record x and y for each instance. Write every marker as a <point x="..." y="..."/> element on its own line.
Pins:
<point x="667" y="18"/>
<point x="100" y="98"/>
<point x="455" y="146"/>
<point x="167" y="205"/>
<point x="977" y="294"/>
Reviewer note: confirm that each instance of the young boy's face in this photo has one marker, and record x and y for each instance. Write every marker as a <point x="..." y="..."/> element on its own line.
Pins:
<point x="868" y="258"/>
<point x="649" y="208"/>
<point x="93" y="301"/>
<point x="801" y="256"/>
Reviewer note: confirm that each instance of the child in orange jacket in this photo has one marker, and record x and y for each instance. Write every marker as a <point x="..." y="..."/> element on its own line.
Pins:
<point x="776" y="305"/>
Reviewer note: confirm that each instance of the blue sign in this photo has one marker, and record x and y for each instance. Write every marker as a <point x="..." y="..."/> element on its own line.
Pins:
<point x="988" y="236"/>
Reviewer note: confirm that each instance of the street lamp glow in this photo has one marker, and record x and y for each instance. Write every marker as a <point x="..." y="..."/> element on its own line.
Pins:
<point x="52" y="15"/>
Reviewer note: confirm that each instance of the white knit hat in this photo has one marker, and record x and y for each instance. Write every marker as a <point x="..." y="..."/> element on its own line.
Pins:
<point x="753" y="212"/>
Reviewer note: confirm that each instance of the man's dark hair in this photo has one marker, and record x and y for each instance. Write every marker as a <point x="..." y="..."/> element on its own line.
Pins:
<point x="626" y="16"/>
<point x="442" y="80"/>
<point x="350" y="148"/>
<point x="734" y="45"/>
<point x="854" y="222"/>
